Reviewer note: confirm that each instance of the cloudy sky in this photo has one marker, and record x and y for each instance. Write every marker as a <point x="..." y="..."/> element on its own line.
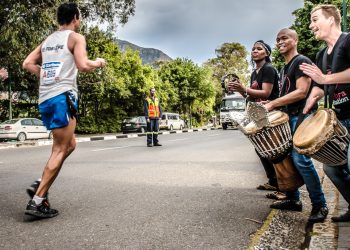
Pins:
<point x="195" y="28"/>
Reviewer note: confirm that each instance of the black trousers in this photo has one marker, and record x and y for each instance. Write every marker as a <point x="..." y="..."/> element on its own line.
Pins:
<point x="152" y="131"/>
<point x="269" y="170"/>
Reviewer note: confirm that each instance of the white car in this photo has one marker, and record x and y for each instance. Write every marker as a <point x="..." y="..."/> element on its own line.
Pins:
<point x="171" y="121"/>
<point x="22" y="129"/>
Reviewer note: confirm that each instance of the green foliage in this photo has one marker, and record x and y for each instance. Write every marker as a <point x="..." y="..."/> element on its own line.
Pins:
<point x="231" y="58"/>
<point x="188" y="87"/>
<point x="307" y="44"/>
<point x="107" y="96"/>
<point x="25" y="24"/>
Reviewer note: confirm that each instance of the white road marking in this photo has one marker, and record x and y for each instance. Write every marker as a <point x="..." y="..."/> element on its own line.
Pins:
<point x="179" y="139"/>
<point x="102" y="149"/>
<point x="214" y="135"/>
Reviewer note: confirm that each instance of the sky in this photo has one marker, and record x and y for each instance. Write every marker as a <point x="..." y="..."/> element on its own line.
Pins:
<point x="193" y="29"/>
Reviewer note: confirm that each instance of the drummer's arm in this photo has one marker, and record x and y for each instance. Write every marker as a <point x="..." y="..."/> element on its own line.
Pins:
<point x="316" y="94"/>
<point x="316" y="74"/>
<point x="303" y="84"/>
<point x="264" y="93"/>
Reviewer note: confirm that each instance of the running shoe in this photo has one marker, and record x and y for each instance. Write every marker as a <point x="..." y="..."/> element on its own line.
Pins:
<point x="33" y="188"/>
<point x="41" y="211"/>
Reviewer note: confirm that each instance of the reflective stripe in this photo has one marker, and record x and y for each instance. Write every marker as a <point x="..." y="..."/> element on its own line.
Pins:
<point x="153" y="107"/>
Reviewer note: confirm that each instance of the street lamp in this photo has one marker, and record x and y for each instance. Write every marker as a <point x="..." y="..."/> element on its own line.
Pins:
<point x="344" y="16"/>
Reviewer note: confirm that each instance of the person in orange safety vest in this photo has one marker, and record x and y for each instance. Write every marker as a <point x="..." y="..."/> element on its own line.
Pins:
<point x="153" y="113"/>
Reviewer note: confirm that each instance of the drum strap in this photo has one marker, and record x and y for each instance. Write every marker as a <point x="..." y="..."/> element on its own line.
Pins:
<point x="330" y="88"/>
<point x="301" y="117"/>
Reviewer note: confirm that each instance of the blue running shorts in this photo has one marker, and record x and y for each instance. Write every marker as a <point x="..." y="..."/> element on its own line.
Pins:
<point x="55" y="112"/>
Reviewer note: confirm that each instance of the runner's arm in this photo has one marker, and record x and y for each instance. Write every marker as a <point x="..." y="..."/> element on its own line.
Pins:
<point x="32" y="62"/>
<point x="77" y="44"/>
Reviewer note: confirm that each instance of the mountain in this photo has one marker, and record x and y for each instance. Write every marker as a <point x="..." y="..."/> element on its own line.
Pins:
<point x="148" y="55"/>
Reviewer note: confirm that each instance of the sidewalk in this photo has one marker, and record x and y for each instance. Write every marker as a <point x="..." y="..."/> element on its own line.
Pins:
<point x="329" y="235"/>
<point x="291" y="230"/>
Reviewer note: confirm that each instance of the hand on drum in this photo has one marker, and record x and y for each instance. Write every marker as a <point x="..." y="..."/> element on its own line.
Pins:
<point x="268" y="105"/>
<point x="310" y="102"/>
<point x="314" y="72"/>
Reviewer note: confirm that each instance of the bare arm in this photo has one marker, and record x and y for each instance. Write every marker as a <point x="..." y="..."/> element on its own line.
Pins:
<point x="32" y="62"/>
<point x="315" y="95"/>
<point x="316" y="74"/>
<point x="302" y="87"/>
<point x="77" y="45"/>
<point x="264" y="93"/>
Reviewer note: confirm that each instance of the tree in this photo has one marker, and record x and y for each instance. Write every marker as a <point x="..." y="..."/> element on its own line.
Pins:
<point x="25" y="23"/>
<point x="189" y="87"/>
<point x="307" y="44"/>
<point x="230" y="58"/>
<point x="107" y="96"/>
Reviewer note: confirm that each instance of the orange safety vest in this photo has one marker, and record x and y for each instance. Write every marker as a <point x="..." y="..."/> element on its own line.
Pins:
<point x="153" y="107"/>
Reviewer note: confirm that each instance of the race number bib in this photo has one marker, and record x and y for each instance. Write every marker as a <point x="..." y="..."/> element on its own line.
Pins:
<point x="50" y="72"/>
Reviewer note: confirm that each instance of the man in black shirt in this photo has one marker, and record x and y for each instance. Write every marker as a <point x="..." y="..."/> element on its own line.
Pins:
<point x="334" y="61"/>
<point x="294" y="89"/>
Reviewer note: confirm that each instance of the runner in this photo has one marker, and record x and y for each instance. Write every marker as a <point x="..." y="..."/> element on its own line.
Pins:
<point x="61" y="55"/>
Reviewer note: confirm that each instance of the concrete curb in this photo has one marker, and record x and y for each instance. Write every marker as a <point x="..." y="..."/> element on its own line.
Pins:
<point x="280" y="225"/>
<point x="102" y="137"/>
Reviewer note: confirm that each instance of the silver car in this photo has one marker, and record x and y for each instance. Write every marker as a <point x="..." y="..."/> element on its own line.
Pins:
<point x="22" y="129"/>
<point x="171" y="121"/>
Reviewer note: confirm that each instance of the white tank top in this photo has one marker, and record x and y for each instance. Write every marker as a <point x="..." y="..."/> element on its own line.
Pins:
<point x="58" y="72"/>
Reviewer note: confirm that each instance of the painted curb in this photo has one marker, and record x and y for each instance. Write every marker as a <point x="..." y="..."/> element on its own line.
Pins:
<point x="102" y="138"/>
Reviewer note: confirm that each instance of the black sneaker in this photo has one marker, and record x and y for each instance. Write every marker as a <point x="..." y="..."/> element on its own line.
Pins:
<point x="149" y="145"/>
<point x="42" y="211"/>
<point x="157" y="144"/>
<point x="342" y="218"/>
<point x="287" y="205"/>
<point x="33" y="188"/>
<point x="318" y="214"/>
<point x="267" y="186"/>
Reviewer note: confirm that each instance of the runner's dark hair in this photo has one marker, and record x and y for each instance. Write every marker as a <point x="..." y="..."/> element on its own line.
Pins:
<point x="66" y="13"/>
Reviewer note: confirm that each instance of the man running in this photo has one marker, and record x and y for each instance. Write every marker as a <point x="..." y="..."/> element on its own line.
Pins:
<point x="61" y="56"/>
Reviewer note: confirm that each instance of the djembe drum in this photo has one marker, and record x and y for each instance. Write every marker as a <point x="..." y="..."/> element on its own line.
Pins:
<point x="322" y="137"/>
<point x="274" y="142"/>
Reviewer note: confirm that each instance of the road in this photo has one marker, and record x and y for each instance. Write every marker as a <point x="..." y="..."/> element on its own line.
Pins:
<point x="195" y="192"/>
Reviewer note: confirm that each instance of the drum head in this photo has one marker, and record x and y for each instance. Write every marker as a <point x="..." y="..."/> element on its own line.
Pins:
<point x="314" y="129"/>
<point x="275" y="118"/>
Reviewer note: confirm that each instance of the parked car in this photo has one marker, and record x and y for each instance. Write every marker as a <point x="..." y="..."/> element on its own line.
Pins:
<point x="171" y="121"/>
<point x="22" y="129"/>
<point x="134" y="124"/>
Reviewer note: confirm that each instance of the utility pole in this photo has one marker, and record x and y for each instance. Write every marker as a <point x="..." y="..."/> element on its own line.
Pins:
<point x="10" y="100"/>
<point x="344" y="16"/>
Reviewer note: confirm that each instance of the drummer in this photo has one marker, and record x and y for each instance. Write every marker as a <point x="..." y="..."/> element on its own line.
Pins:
<point x="294" y="89"/>
<point x="263" y="86"/>
<point x="335" y="64"/>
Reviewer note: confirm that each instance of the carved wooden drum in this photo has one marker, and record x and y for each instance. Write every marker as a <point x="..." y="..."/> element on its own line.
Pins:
<point x="322" y="137"/>
<point x="273" y="140"/>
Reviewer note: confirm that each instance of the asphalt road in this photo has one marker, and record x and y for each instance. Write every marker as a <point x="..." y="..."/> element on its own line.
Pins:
<point x="195" y="192"/>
